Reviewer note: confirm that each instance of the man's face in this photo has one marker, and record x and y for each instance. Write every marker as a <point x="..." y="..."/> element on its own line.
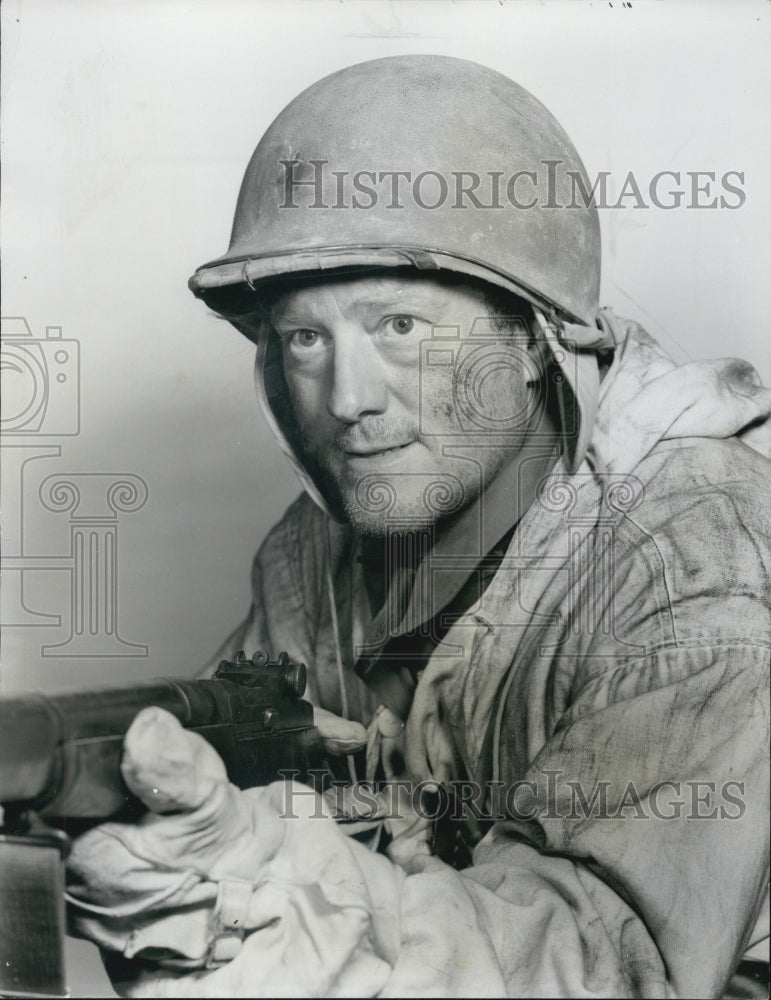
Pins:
<point x="406" y="423"/>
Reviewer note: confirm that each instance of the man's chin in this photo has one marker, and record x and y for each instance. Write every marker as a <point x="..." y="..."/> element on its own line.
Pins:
<point x="380" y="507"/>
<point x="376" y="526"/>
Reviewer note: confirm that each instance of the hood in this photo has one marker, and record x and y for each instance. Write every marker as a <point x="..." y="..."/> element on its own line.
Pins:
<point x="273" y="397"/>
<point x="646" y="398"/>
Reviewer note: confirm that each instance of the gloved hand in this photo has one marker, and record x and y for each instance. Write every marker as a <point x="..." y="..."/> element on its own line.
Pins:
<point x="362" y="810"/>
<point x="340" y="736"/>
<point x="219" y="892"/>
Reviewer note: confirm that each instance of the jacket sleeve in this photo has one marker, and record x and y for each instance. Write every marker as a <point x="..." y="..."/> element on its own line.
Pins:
<point x="615" y="871"/>
<point x="284" y="584"/>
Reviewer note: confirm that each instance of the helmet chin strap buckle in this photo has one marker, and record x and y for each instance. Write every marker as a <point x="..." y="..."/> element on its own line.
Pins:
<point x="579" y="387"/>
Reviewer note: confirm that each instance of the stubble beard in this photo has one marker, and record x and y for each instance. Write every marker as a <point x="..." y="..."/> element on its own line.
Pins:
<point x="380" y="504"/>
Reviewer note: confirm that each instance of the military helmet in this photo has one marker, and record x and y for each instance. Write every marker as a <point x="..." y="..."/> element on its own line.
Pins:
<point x="422" y="160"/>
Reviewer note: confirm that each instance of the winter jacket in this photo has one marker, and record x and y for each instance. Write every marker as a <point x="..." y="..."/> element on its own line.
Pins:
<point x="607" y="691"/>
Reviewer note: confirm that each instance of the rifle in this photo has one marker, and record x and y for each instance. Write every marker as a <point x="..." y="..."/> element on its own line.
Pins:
<point x="60" y="772"/>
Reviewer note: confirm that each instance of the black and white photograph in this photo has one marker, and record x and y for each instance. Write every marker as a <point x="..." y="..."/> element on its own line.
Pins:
<point x="386" y="463"/>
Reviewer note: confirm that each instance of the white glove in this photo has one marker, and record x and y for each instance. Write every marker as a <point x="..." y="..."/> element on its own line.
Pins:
<point x="214" y="875"/>
<point x="340" y="736"/>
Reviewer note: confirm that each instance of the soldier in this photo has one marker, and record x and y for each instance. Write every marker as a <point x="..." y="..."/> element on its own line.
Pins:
<point x="527" y="572"/>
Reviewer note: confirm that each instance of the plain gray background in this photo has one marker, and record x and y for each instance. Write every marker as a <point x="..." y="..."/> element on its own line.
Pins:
<point x="126" y="127"/>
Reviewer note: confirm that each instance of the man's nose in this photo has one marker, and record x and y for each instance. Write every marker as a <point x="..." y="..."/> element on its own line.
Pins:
<point x="358" y="382"/>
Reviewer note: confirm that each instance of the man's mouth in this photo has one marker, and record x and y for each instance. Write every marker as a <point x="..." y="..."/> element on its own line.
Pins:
<point x="377" y="451"/>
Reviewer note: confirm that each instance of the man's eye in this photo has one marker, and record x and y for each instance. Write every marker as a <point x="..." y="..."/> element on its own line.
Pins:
<point x="302" y="338"/>
<point x="403" y="324"/>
